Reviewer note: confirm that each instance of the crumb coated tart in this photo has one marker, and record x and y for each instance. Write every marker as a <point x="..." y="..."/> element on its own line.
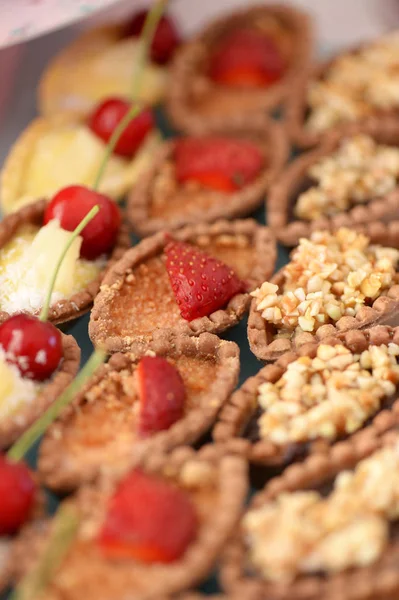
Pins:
<point x="99" y="63"/>
<point x="28" y="253"/>
<point x="333" y="282"/>
<point x="55" y="152"/>
<point x="240" y="66"/>
<point x="309" y="400"/>
<point x="154" y="530"/>
<point x="336" y="518"/>
<point x="154" y="291"/>
<point x="207" y="178"/>
<point x="344" y="182"/>
<point x="355" y="86"/>
<point x="24" y="400"/>
<point x="109" y="419"/>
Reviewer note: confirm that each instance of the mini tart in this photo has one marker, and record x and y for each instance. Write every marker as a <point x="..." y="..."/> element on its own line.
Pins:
<point x="377" y="217"/>
<point x="196" y="104"/>
<point x="377" y="580"/>
<point x="136" y="305"/>
<point x="269" y="342"/>
<point x="159" y="201"/>
<point x="99" y="63"/>
<point x="298" y="110"/>
<point x="217" y="485"/>
<point x="55" y="152"/>
<point x="100" y="428"/>
<point x="238" y="423"/>
<point x="15" y="423"/>
<point x="80" y="302"/>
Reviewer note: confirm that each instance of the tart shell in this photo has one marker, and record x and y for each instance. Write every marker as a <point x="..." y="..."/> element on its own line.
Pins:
<point x="234" y="205"/>
<point x="185" y="71"/>
<point x="378" y="219"/>
<point x="161" y="580"/>
<point x="80" y="303"/>
<point x="379" y="581"/>
<point x="383" y="311"/>
<point x="242" y="405"/>
<point x="100" y="326"/>
<point x="13" y="426"/>
<point x="59" y="471"/>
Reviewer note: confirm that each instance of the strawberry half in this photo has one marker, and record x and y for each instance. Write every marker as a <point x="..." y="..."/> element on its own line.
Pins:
<point x="166" y="37"/>
<point x="201" y="284"/>
<point x="249" y="58"/>
<point x="219" y="163"/>
<point x="148" y="519"/>
<point x="162" y="395"/>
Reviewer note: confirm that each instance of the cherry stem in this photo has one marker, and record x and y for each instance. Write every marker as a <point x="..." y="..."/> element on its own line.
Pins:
<point x="63" y="532"/>
<point x="145" y="42"/>
<point x="46" y="306"/>
<point x="33" y="433"/>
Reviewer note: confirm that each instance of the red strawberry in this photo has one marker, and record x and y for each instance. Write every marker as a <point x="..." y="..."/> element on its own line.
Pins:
<point x="224" y="164"/>
<point x="246" y="57"/>
<point x="201" y="284"/>
<point x="148" y="519"/>
<point x="166" y="38"/>
<point x="162" y="394"/>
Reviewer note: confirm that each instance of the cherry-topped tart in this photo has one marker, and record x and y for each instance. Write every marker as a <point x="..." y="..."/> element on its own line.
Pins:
<point x="166" y="37"/>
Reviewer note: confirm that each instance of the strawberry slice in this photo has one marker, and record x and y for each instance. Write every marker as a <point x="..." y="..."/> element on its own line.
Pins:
<point x="201" y="284"/>
<point x="219" y="163"/>
<point x="162" y="395"/>
<point x="148" y="519"/>
<point x="248" y="58"/>
<point x="166" y="37"/>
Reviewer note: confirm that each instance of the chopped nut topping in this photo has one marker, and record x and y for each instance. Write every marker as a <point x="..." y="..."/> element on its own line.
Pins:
<point x="329" y="395"/>
<point x="356" y="84"/>
<point x="303" y="532"/>
<point x="357" y="172"/>
<point x="329" y="276"/>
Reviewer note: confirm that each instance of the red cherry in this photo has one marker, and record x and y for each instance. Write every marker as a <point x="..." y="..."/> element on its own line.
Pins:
<point x="33" y="346"/>
<point x="107" y="115"/>
<point x="72" y="204"/>
<point x="17" y="495"/>
<point x="166" y="38"/>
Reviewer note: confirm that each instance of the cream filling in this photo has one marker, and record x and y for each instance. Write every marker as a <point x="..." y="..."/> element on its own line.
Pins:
<point x="15" y="391"/>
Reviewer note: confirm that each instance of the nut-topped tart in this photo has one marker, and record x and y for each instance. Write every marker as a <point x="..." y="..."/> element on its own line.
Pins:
<point x="240" y="66"/>
<point x="310" y="400"/>
<point x="100" y="63"/>
<point x="165" y="399"/>
<point x="325" y="529"/>
<point x="356" y="86"/>
<point x="60" y="151"/>
<point x="204" y="178"/>
<point x="155" y="529"/>
<point x="333" y="282"/>
<point x="344" y="182"/>
<point x="196" y="281"/>
<point x="31" y="242"/>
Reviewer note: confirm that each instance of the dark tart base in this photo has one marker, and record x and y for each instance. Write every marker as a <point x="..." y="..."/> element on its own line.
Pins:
<point x="190" y="85"/>
<point x="209" y="367"/>
<point x="80" y="303"/>
<point x="378" y="218"/>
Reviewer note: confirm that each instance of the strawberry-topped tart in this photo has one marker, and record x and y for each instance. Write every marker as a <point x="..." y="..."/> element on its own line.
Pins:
<point x="240" y="66"/>
<point x="56" y="152"/>
<point x="203" y="178"/>
<point x="32" y="241"/>
<point x="100" y="63"/>
<point x="166" y="398"/>
<point x="196" y="281"/>
<point x="155" y="528"/>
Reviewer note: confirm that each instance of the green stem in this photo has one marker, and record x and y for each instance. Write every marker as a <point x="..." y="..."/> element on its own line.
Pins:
<point x="90" y="215"/>
<point x="31" y="435"/>
<point x="145" y="42"/>
<point x="63" y="532"/>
